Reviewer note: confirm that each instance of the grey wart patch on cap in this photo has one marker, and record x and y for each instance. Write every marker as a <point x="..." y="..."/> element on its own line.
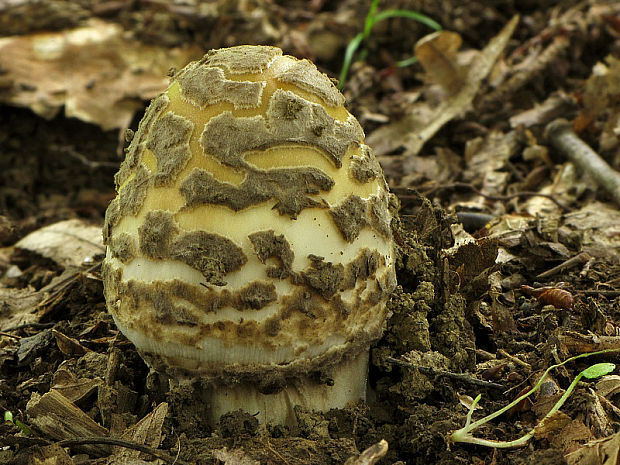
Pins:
<point x="169" y="142"/>
<point x="133" y="194"/>
<point x="242" y="59"/>
<point x="305" y="75"/>
<point x="211" y="254"/>
<point x="204" y="85"/>
<point x="137" y="145"/>
<point x="365" y="168"/>
<point x="290" y="188"/>
<point x="155" y="234"/>
<point x="350" y="216"/>
<point x="122" y="247"/>
<point x="289" y="119"/>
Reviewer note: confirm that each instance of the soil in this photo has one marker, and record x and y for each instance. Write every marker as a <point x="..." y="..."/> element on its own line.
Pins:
<point x="508" y="256"/>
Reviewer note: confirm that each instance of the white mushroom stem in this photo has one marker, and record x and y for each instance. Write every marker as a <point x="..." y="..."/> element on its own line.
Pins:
<point x="349" y="385"/>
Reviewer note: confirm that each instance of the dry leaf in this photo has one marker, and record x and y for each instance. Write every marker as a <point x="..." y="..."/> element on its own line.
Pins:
<point x="608" y="386"/>
<point x="437" y="54"/>
<point x="67" y="243"/>
<point x="73" y="388"/>
<point x="413" y="131"/>
<point x="600" y="97"/>
<point x="147" y="432"/>
<point x="68" y="345"/>
<point x="17" y="305"/>
<point x="95" y="71"/>
<point x="599" y="224"/>
<point x="599" y="452"/>
<point x="467" y="401"/>
<point x="49" y="455"/>
<point x="552" y="425"/>
<point x="233" y="457"/>
<point x="371" y="455"/>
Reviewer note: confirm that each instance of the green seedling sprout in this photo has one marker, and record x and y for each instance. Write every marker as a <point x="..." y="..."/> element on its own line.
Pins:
<point x="8" y="417"/>
<point x="465" y="434"/>
<point x="373" y="18"/>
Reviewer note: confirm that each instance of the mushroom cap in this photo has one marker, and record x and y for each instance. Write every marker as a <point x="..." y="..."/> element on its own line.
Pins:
<point x="251" y="231"/>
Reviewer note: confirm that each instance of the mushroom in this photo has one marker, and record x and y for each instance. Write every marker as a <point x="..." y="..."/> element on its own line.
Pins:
<point x="250" y="244"/>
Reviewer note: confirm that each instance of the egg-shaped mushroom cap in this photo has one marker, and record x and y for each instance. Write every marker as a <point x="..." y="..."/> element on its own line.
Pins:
<point x="251" y="231"/>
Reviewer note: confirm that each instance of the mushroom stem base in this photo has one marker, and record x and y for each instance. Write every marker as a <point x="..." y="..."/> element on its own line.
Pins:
<point x="349" y="376"/>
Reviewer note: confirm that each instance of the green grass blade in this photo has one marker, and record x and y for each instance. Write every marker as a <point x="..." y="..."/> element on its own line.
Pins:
<point x="419" y="17"/>
<point x="348" y="58"/>
<point x="370" y="18"/>
<point x="407" y="62"/>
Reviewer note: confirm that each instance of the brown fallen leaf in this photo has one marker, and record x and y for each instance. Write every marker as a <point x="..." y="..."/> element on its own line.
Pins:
<point x="73" y="388"/>
<point x="146" y="432"/>
<point x="599" y="452"/>
<point x="437" y="54"/>
<point x="68" y="345"/>
<point x="413" y="132"/>
<point x="99" y="74"/>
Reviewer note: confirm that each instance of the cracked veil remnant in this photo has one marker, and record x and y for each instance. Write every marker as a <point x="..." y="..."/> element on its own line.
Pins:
<point x="250" y="241"/>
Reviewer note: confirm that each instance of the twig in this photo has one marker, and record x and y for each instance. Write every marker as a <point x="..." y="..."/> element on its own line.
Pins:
<point x="448" y="374"/>
<point x="67" y="150"/>
<point x="500" y="198"/>
<point x="577" y="260"/>
<point x="66" y="283"/>
<point x="514" y="359"/>
<point x="560" y="135"/>
<point x="29" y="325"/>
<point x="121" y="443"/>
<point x="602" y="292"/>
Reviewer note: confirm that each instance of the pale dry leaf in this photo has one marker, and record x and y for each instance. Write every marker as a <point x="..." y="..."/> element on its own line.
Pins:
<point x="467" y="401"/>
<point x="600" y="97"/>
<point x="68" y="243"/>
<point x="608" y="386"/>
<point x="599" y="452"/>
<point x="147" y="432"/>
<point x="459" y="102"/>
<point x="437" y="54"/>
<point x="486" y="160"/>
<point x="371" y="455"/>
<point x="96" y="72"/>
<point x="423" y="122"/>
<point x="599" y="223"/>
<point x="233" y="457"/>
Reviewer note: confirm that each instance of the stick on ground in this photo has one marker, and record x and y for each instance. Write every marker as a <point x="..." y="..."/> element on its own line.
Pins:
<point x="560" y="135"/>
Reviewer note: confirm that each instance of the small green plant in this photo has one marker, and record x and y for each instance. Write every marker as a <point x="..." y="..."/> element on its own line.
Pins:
<point x="372" y="18"/>
<point x="465" y="434"/>
<point x="8" y="417"/>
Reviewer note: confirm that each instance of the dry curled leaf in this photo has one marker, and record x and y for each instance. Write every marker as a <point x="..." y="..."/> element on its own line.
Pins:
<point x="371" y="455"/>
<point x="437" y="54"/>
